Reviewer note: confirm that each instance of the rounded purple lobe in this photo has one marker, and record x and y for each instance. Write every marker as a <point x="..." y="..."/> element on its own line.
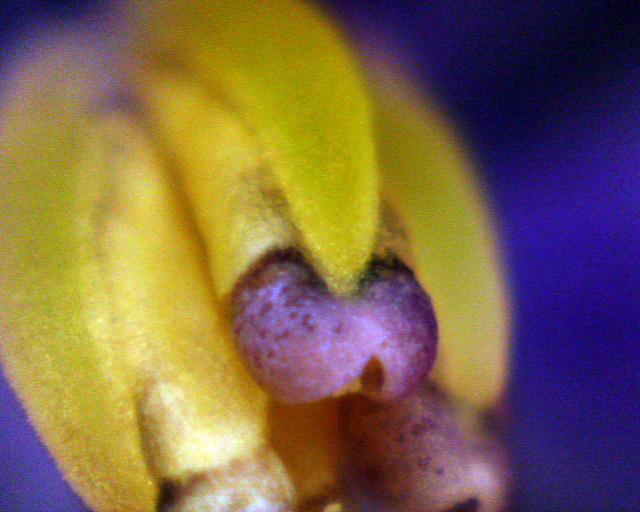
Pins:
<point x="303" y="344"/>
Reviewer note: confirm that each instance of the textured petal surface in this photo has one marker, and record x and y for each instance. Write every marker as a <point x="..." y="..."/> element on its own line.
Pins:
<point x="111" y="335"/>
<point x="288" y="75"/>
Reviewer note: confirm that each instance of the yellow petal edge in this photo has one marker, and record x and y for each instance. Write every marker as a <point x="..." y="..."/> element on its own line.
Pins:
<point x="428" y="179"/>
<point x="56" y="345"/>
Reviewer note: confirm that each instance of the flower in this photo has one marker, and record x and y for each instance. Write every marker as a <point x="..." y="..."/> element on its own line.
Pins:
<point x="120" y="284"/>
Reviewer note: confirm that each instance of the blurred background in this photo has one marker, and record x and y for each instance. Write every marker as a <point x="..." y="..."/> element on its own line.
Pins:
<point x="547" y="94"/>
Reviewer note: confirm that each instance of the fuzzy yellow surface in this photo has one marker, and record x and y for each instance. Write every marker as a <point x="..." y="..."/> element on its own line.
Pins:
<point x="233" y="198"/>
<point x="428" y="179"/>
<point x="199" y="403"/>
<point x="112" y="337"/>
<point x="237" y="206"/>
<point x="290" y="77"/>
<point x="57" y="345"/>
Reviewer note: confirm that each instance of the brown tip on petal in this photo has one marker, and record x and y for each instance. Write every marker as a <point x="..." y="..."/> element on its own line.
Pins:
<point x="303" y="344"/>
<point x="420" y="455"/>
<point x="243" y="486"/>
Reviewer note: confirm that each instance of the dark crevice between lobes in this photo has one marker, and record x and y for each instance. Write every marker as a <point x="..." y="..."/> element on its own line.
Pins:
<point x="302" y="343"/>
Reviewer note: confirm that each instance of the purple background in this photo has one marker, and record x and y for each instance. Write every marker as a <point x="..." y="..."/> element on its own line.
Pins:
<point x="548" y="94"/>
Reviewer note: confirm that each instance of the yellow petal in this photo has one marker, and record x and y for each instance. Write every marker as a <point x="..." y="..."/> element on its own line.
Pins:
<point x="114" y="341"/>
<point x="283" y="69"/>
<point x="428" y="179"/>
<point x="56" y="340"/>
<point x="193" y="386"/>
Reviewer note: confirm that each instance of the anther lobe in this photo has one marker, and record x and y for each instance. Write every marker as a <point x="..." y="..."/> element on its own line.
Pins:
<point x="302" y="343"/>
<point x="424" y="455"/>
<point x="394" y="300"/>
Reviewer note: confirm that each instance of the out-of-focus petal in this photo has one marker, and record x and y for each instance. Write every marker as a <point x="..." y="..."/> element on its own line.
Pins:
<point x="428" y="180"/>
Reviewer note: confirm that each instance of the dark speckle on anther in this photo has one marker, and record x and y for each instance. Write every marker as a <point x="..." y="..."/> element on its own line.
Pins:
<point x="372" y="475"/>
<point x="423" y="462"/>
<point x="419" y="429"/>
<point x="282" y="336"/>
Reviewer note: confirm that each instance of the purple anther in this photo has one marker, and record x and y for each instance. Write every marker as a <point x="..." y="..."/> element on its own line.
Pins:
<point x="422" y="454"/>
<point x="405" y="349"/>
<point x="303" y="344"/>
